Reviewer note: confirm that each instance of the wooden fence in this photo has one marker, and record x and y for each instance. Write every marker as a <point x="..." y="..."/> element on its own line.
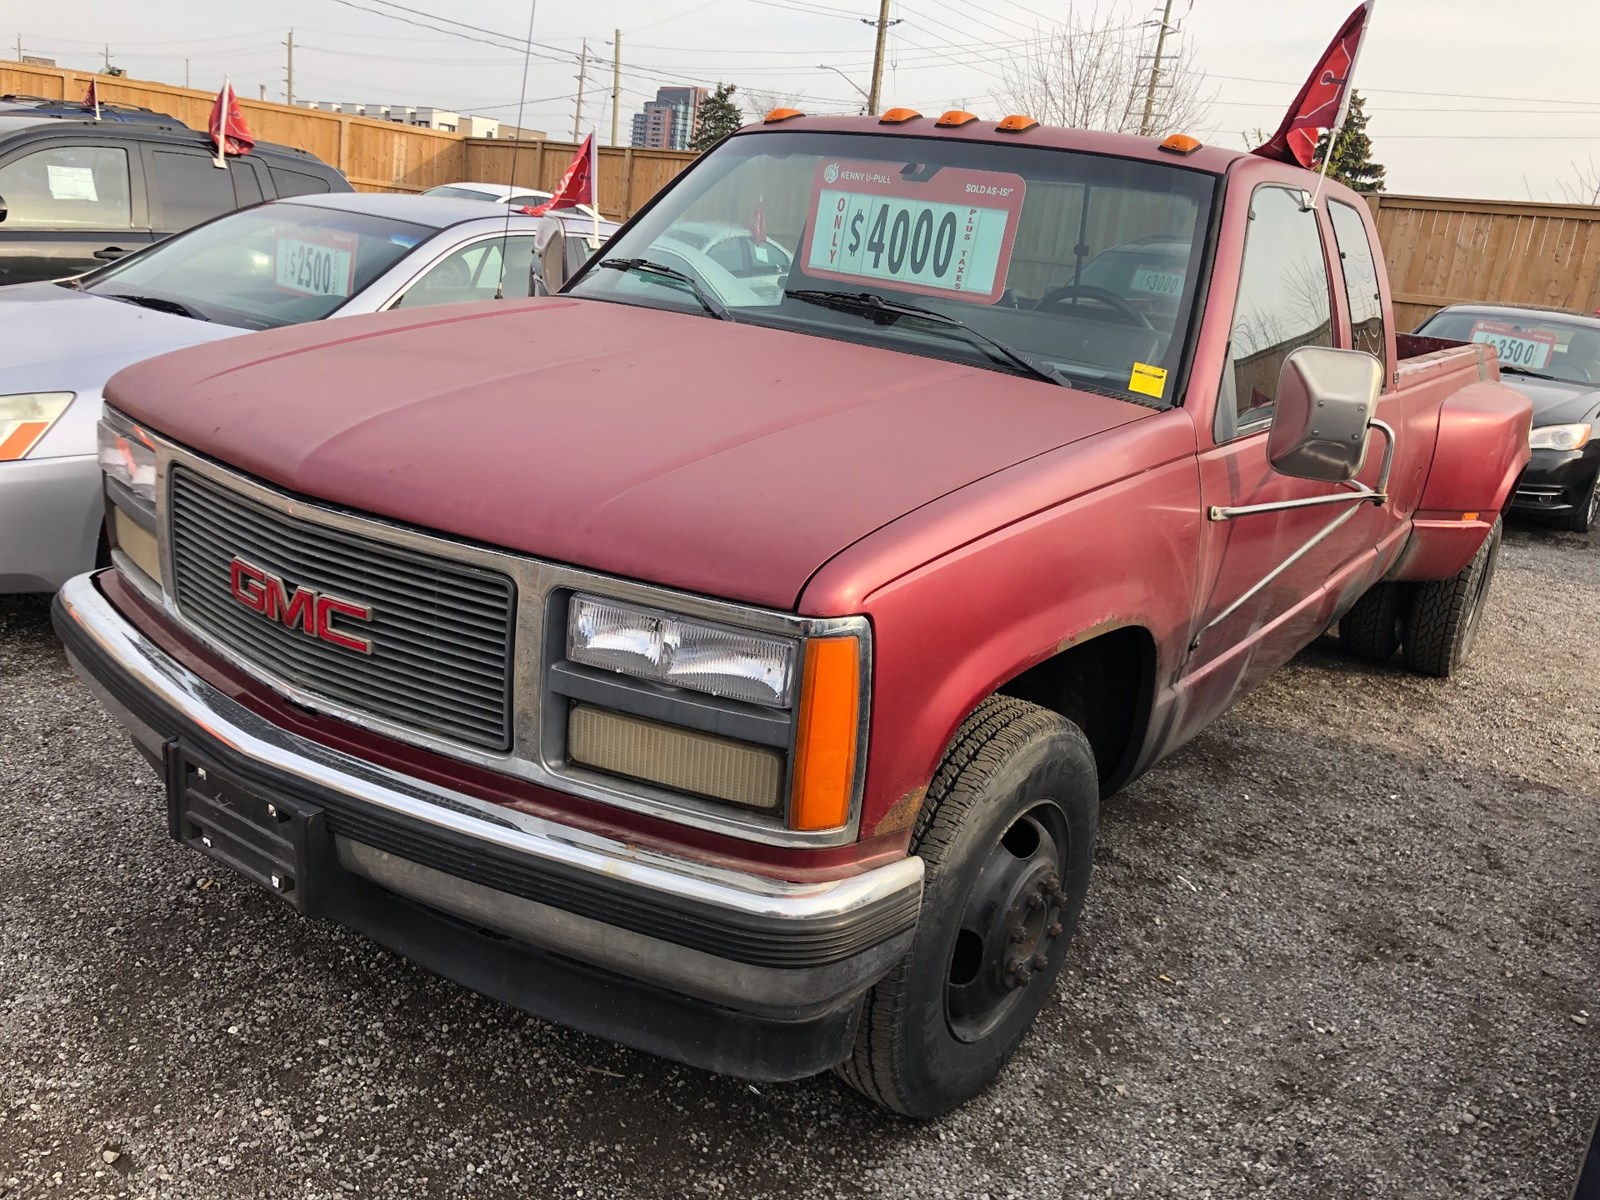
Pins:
<point x="1443" y="252"/>
<point x="628" y="177"/>
<point x="376" y="156"/>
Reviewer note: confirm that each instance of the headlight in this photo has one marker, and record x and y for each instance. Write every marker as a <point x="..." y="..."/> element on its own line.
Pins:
<point x="658" y="646"/>
<point x="26" y="418"/>
<point x="1560" y="437"/>
<point x="127" y="456"/>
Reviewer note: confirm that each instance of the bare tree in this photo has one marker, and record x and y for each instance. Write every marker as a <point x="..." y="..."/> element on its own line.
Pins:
<point x="1584" y="185"/>
<point x="758" y="104"/>
<point x="1094" y="71"/>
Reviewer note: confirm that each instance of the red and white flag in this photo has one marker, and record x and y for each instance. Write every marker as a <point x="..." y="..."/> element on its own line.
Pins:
<point x="227" y="127"/>
<point x="92" y="100"/>
<point x="1325" y="98"/>
<point x="580" y="184"/>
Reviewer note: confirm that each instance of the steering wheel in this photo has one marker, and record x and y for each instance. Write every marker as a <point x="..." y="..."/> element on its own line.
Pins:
<point x="1071" y="291"/>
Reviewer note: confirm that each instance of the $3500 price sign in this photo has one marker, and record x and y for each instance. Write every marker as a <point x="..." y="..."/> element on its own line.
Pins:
<point x="949" y="235"/>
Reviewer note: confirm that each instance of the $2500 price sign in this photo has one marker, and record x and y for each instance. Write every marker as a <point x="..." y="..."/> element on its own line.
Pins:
<point x="323" y="264"/>
<point x="948" y="235"/>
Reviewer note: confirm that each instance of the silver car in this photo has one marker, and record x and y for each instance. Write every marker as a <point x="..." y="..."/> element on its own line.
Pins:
<point x="277" y="264"/>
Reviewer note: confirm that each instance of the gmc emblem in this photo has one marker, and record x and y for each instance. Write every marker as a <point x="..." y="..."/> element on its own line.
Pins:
<point x="310" y="611"/>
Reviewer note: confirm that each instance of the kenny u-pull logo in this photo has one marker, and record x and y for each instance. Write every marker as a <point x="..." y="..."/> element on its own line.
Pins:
<point x="306" y="609"/>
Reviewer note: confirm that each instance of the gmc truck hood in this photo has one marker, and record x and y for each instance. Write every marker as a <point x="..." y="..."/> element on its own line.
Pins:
<point x="719" y="458"/>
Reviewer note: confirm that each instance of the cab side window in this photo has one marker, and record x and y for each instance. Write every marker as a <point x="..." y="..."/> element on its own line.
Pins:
<point x="473" y="273"/>
<point x="1360" y="280"/>
<point x="68" y="187"/>
<point x="1283" y="304"/>
<point x="188" y="189"/>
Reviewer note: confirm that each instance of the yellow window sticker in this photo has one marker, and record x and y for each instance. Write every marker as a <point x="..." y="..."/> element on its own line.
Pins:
<point x="1148" y="380"/>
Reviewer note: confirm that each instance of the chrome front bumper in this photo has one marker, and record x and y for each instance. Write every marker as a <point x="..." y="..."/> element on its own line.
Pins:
<point x="779" y="950"/>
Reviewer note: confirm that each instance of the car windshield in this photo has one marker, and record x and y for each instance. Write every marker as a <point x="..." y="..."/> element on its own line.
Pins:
<point x="1054" y="264"/>
<point x="1529" y="343"/>
<point x="259" y="268"/>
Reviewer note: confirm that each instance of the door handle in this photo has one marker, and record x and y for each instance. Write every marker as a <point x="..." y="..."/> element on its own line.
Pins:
<point x="110" y="253"/>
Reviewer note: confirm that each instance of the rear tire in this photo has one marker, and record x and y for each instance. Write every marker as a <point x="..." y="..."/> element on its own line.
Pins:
<point x="1007" y="836"/>
<point x="1374" y="626"/>
<point x="1585" y="514"/>
<point x="1443" y="622"/>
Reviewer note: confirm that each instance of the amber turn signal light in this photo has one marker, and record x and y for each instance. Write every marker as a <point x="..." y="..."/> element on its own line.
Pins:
<point x="825" y="748"/>
<point x="899" y="116"/>
<point x="1180" y="143"/>
<point x="781" y="114"/>
<point x="1016" y="123"/>
<point x="956" y="118"/>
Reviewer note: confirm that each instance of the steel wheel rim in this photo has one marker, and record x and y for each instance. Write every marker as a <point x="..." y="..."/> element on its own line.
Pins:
<point x="1480" y="588"/>
<point x="1011" y="931"/>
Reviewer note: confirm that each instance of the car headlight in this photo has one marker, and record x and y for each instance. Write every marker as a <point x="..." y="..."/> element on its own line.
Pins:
<point x="669" y="649"/>
<point x="26" y="418"/>
<point x="1560" y="437"/>
<point x="128" y="457"/>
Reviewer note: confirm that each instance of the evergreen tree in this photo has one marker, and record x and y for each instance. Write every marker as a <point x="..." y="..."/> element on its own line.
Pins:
<point x="719" y="116"/>
<point x="1352" y="163"/>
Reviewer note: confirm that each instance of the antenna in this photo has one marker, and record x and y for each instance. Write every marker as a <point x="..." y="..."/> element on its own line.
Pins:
<point x="516" y="145"/>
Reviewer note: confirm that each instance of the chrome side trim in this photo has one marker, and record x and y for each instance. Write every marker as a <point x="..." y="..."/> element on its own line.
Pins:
<point x="538" y="583"/>
<point x="651" y="871"/>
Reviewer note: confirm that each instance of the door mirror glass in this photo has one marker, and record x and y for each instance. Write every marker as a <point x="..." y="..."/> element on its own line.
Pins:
<point x="1327" y="399"/>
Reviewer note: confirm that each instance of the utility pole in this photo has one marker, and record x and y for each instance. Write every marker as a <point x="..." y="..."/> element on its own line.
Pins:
<point x="186" y="72"/>
<point x="289" y="82"/>
<point x="1155" y="71"/>
<point x="616" y="81"/>
<point x="19" y="47"/>
<point x="108" y="59"/>
<point x="883" y="24"/>
<point x="263" y="91"/>
<point x="583" y="72"/>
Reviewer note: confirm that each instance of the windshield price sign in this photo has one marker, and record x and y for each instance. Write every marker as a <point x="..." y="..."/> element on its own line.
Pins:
<point x="1527" y="348"/>
<point x="1157" y="283"/>
<point x="317" y="264"/>
<point x="948" y="235"/>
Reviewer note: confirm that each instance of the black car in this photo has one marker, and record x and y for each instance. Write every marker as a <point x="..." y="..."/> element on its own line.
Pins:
<point x="1553" y="358"/>
<point x="75" y="110"/>
<point x="76" y="194"/>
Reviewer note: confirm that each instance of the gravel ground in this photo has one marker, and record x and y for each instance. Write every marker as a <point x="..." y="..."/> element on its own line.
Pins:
<point x="1344" y="945"/>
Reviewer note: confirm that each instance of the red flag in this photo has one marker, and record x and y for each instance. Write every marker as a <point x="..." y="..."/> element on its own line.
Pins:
<point x="227" y="127"/>
<point x="1323" y="100"/>
<point x="92" y="100"/>
<point x="578" y="185"/>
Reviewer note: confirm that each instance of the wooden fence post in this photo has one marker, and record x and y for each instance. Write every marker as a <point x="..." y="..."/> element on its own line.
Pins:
<point x="627" y="185"/>
<point x="344" y="146"/>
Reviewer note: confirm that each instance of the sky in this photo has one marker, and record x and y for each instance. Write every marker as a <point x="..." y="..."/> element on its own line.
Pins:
<point x="1495" y="99"/>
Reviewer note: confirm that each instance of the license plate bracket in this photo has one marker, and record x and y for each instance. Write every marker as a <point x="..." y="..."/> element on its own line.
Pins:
<point x="281" y="843"/>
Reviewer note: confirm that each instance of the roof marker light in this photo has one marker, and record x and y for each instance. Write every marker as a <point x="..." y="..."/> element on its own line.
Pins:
<point x="956" y="118"/>
<point x="1180" y="143"/>
<point x="899" y="116"/>
<point x="1016" y="123"/>
<point x="781" y="114"/>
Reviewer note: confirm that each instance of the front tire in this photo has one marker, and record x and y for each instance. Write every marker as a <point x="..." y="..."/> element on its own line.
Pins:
<point x="1443" y="622"/>
<point x="1374" y="626"/>
<point x="1007" y="836"/>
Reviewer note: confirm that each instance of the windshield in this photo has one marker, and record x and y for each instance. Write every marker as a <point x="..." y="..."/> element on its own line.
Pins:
<point x="1529" y="343"/>
<point x="259" y="268"/>
<point x="1080" y="263"/>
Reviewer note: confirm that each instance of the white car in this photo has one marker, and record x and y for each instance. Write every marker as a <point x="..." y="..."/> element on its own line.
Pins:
<point x="500" y="193"/>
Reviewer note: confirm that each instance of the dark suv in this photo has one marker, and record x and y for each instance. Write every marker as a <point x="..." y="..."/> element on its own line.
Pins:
<point x="76" y="194"/>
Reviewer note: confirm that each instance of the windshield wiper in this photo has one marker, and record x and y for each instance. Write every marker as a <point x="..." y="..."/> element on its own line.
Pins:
<point x="159" y="303"/>
<point x="869" y="303"/>
<point x="710" y="303"/>
<point x="1506" y="369"/>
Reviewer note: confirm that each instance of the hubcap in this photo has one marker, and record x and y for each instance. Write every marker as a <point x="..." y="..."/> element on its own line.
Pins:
<point x="1480" y="588"/>
<point x="1011" y="929"/>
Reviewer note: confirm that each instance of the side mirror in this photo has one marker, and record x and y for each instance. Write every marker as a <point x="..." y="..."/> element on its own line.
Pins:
<point x="1327" y="399"/>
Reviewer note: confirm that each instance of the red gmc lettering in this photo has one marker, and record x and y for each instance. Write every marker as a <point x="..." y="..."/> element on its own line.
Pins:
<point x="327" y="609"/>
<point x="304" y="609"/>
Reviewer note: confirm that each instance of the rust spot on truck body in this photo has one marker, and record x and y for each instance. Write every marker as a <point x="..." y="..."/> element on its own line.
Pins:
<point x="902" y="814"/>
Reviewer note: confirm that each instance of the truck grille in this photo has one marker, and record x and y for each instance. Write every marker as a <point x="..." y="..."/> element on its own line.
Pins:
<point x="440" y="632"/>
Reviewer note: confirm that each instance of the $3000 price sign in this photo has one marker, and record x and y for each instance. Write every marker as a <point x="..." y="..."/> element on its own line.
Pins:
<point x="949" y="235"/>
<point x="325" y="266"/>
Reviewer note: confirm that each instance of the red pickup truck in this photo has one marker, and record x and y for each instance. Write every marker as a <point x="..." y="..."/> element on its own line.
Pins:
<point x="729" y="655"/>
